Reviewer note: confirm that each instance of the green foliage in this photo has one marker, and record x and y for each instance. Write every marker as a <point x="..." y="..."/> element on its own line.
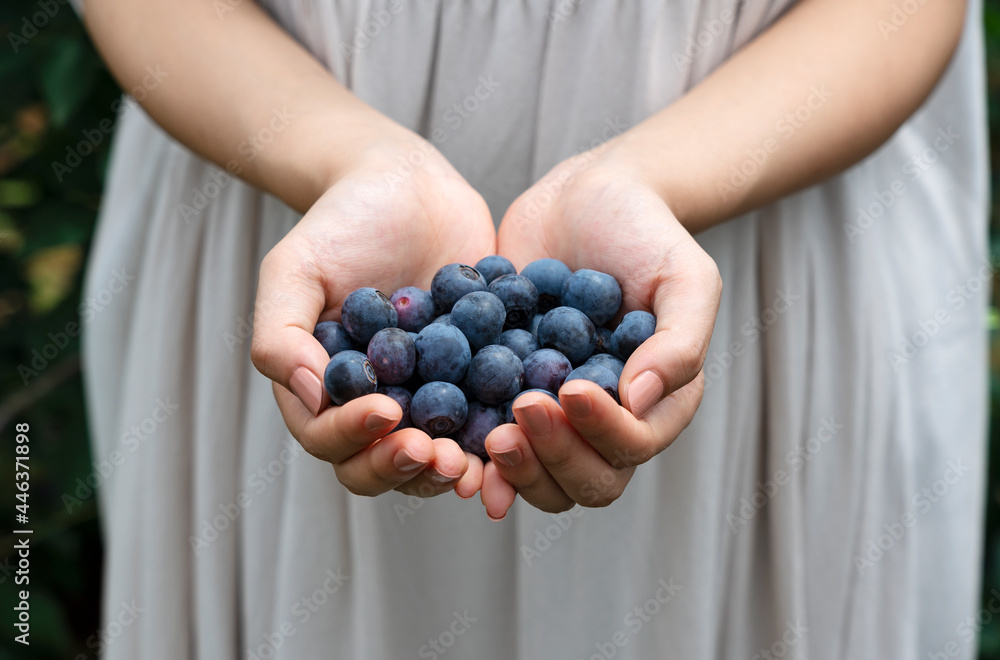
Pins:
<point x="54" y="88"/>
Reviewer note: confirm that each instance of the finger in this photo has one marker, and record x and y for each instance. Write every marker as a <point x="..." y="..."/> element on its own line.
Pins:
<point x="341" y="431"/>
<point x="386" y="464"/>
<point x="472" y="481"/>
<point x="448" y="467"/>
<point x="516" y="461"/>
<point x="497" y="495"/>
<point x="580" y="471"/>
<point x="685" y="302"/>
<point x="290" y="299"/>
<point x="620" y="438"/>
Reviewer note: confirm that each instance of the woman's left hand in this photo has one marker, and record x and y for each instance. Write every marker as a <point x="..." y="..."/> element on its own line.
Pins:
<point x="594" y="215"/>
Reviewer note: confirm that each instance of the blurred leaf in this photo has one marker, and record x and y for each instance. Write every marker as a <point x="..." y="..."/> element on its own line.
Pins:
<point x="52" y="273"/>
<point x="66" y="79"/>
<point x="14" y="193"/>
<point x="11" y="239"/>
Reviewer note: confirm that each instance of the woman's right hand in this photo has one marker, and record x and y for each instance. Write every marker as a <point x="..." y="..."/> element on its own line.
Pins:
<point x="398" y="215"/>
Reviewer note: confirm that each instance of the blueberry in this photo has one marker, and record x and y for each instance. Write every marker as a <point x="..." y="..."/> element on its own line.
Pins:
<point x="548" y="276"/>
<point x="403" y="397"/>
<point x="414" y="307"/>
<point x="443" y="353"/>
<point x="444" y="318"/>
<point x="635" y="328"/>
<point x="595" y="294"/>
<point x="348" y="376"/>
<point x="546" y="369"/>
<point x="519" y="297"/>
<point x="413" y="336"/>
<point x="570" y="332"/>
<point x="480" y="421"/>
<point x="595" y="373"/>
<point x="334" y="337"/>
<point x="365" y="312"/>
<point x="452" y="282"/>
<point x="533" y="326"/>
<point x="495" y="375"/>
<point x="607" y="360"/>
<point x="439" y="409"/>
<point x="494" y="266"/>
<point x="603" y="341"/>
<point x="393" y="355"/>
<point x="522" y="342"/>
<point x="507" y="409"/>
<point x="479" y="315"/>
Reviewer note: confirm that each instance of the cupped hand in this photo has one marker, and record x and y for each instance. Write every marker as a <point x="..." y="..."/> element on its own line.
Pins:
<point x="397" y="216"/>
<point x="592" y="214"/>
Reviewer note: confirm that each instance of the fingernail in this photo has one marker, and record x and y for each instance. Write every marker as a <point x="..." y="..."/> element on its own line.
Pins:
<point x="308" y="388"/>
<point x="376" y="421"/>
<point x="441" y="478"/>
<point x="496" y="519"/>
<point x="644" y="390"/>
<point x="578" y="404"/>
<point x="406" y="463"/>
<point x="535" y="418"/>
<point x="511" y="457"/>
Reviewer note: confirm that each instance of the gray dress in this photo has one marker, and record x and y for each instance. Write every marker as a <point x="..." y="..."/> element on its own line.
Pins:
<point x="826" y="502"/>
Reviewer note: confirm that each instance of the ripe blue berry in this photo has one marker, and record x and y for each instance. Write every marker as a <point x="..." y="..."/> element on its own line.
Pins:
<point x="570" y="332"/>
<point x="494" y="266"/>
<point x="533" y="326"/>
<point x="444" y="318"/>
<point x="522" y="342"/>
<point x="595" y="294"/>
<point x="443" y="353"/>
<point x="439" y="409"/>
<point x="519" y="297"/>
<point x="635" y="328"/>
<point x="595" y="373"/>
<point x="402" y="396"/>
<point x="393" y="355"/>
<point x="479" y="315"/>
<point x="548" y="276"/>
<point x="480" y="421"/>
<point x="365" y="312"/>
<point x="609" y="361"/>
<point x="334" y="337"/>
<point x="452" y="282"/>
<point x="349" y="375"/>
<point x="495" y="375"/>
<point x="546" y="369"/>
<point x="414" y="307"/>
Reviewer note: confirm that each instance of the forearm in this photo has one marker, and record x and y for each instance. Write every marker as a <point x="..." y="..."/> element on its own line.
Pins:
<point x="735" y="142"/>
<point x="238" y="88"/>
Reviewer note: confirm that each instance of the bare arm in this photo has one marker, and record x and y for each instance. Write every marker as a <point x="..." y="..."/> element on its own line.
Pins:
<point x="850" y="72"/>
<point x="228" y="77"/>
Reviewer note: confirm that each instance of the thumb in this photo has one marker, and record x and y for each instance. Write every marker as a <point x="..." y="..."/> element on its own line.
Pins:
<point x="290" y="299"/>
<point x="685" y="302"/>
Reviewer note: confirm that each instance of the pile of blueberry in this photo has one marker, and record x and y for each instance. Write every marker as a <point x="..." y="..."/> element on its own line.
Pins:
<point x="454" y="358"/>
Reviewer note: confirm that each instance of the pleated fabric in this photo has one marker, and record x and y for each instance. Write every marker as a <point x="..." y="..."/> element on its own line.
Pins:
<point x="826" y="502"/>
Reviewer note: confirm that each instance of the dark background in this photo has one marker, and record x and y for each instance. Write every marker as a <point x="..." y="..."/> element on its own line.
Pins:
<point x="54" y="94"/>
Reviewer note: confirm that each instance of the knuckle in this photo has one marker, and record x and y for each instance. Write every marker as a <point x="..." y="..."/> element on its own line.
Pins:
<point x="691" y="354"/>
<point x="602" y="490"/>
<point x="260" y="353"/>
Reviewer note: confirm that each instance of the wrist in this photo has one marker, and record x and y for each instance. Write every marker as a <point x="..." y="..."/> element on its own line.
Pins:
<point x="675" y="172"/>
<point x="321" y="148"/>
